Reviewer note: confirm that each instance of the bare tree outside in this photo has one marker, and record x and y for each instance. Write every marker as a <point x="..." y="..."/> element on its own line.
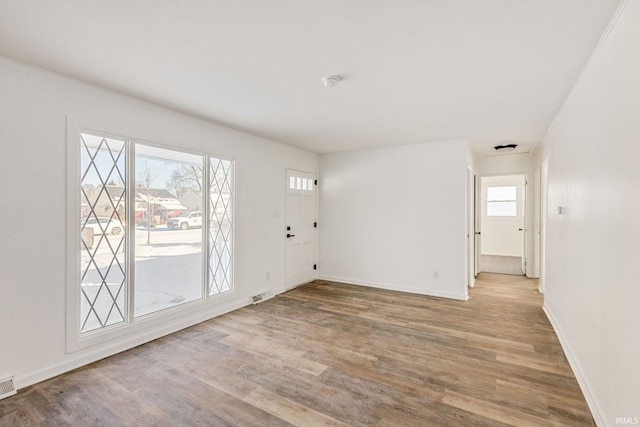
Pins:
<point x="144" y="184"/>
<point x="185" y="177"/>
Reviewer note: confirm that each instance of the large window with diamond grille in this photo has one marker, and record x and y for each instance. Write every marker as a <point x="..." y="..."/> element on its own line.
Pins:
<point x="156" y="229"/>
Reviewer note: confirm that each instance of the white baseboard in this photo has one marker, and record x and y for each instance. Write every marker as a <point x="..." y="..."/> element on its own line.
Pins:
<point x="392" y="287"/>
<point x="284" y="289"/>
<point x="596" y="410"/>
<point x="85" y="357"/>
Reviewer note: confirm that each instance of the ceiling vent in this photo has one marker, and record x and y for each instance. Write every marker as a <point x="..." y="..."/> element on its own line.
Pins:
<point x="506" y="148"/>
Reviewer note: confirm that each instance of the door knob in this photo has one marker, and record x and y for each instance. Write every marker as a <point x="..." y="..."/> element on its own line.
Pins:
<point x="477" y="233"/>
<point x="520" y="229"/>
<point x="290" y="235"/>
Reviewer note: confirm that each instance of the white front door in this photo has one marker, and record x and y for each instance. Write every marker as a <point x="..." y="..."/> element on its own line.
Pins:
<point x="300" y="228"/>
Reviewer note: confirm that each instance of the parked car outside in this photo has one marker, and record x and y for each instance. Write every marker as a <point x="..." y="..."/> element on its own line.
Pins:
<point x="103" y="224"/>
<point x="185" y="220"/>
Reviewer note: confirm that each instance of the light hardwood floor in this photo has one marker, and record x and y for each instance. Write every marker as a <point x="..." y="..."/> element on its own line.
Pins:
<point x="332" y="354"/>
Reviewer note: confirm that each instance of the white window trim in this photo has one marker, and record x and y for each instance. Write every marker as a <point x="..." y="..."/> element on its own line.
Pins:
<point x="163" y="320"/>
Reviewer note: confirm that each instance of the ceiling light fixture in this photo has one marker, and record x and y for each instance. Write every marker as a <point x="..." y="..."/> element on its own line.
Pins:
<point x="330" y="81"/>
<point x="505" y="148"/>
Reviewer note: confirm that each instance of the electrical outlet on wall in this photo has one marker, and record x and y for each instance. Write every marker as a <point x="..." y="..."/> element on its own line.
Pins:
<point x="267" y="276"/>
<point x="436" y="274"/>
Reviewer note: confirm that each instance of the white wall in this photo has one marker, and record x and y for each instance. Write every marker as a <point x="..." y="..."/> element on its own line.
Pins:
<point x="592" y="292"/>
<point x="501" y="235"/>
<point x="33" y="109"/>
<point x="506" y="164"/>
<point x="390" y="217"/>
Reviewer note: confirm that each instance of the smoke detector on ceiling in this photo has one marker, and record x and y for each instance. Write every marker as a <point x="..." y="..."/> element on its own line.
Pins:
<point x="506" y="148"/>
<point x="330" y="81"/>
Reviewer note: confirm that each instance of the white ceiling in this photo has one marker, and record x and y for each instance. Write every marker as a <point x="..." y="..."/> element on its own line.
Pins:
<point x="491" y="71"/>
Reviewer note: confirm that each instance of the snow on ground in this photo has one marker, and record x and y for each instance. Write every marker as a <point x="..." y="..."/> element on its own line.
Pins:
<point x="167" y="242"/>
<point x="160" y="277"/>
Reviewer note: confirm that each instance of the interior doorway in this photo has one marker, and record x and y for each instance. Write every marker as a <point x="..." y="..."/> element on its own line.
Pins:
<point x="503" y="224"/>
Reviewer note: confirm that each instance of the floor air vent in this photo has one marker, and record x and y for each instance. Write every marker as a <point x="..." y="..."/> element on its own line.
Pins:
<point x="262" y="296"/>
<point x="7" y="388"/>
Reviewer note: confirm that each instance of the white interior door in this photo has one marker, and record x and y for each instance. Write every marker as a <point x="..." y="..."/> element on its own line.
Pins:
<point x="524" y="226"/>
<point x="301" y="228"/>
<point x="477" y="234"/>
<point x="470" y="264"/>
